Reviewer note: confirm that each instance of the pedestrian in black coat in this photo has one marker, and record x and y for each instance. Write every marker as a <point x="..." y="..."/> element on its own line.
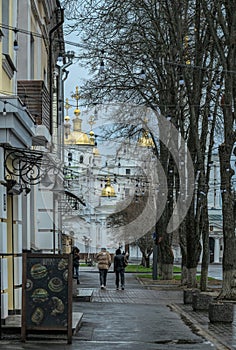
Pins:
<point x="76" y="262"/>
<point x="119" y="268"/>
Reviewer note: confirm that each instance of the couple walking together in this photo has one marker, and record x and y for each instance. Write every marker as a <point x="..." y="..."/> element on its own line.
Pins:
<point x="104" y="263"/>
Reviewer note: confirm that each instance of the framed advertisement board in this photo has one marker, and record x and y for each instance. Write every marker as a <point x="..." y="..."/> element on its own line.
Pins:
<point x="47" y="294"/>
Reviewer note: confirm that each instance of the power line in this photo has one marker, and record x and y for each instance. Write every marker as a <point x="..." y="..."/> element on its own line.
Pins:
<point x="76" y="44"/>
<point x="38" y="35"/>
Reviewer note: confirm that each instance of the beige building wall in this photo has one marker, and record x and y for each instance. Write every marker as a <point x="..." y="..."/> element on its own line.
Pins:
<point x="7" y="227"/>
<point x="34" y="64"/>
<point x="1" y="77"/>
<point x="6" y="82"/>
<point x="33" y="19"/>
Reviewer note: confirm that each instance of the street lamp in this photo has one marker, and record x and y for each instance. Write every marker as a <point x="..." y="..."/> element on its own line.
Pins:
<point x="63" y="62"/>
<point x="87" y="242"/>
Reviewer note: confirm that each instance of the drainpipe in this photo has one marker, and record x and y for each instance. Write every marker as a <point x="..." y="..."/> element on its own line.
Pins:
<point x="62" y="70"/>
<point x="50" y="64"/>
<point x="51" y="100"/>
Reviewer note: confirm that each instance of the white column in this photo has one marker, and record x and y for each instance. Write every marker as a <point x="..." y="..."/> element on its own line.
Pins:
<point x="217" y="250"/>
<point x="26" y="222"/>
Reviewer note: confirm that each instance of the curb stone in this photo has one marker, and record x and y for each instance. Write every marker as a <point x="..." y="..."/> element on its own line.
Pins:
<point x="196" y="327"/>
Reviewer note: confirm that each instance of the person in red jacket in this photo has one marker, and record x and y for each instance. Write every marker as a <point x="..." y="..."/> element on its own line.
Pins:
<point x="104" y="262"/>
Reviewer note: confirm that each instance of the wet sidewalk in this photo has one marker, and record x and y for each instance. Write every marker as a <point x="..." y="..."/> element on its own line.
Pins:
<point x="136" y="318"/>
<point x="143" y="316"/>
<point x="156" y="302"/>
<point x="223" y="335"/>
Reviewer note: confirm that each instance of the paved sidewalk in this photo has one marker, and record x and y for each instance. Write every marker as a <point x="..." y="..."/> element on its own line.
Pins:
<point x="157" y="302"/>
<point x="223" y="334"/>
<point x="142" y="317"/>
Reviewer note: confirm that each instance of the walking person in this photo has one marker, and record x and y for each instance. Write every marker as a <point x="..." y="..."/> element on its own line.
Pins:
<point x="120" y="262"/>
<point x="76" y="261"/>
<point x="104" y="262"/>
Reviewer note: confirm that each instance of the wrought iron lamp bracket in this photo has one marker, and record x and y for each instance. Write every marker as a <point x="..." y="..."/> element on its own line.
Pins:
<point x="24" y="164"/>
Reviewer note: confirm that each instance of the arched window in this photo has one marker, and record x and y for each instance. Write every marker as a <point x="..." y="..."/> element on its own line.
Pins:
<point x="81" y="159"/>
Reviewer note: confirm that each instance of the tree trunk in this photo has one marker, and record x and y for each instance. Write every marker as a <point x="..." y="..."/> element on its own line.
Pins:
<point x="191" y="277"/>
<point x="184" y="275"/>
<point x="193" y="248"/>
<point x="146" y="260"/>
<point x="165" y="258"/>
<point x="229" y="255"/>
<point x="167" y="271"/>
<point x="183" y="248"/>
<point x="205" y="244"/>
<point x="228" y="290"/>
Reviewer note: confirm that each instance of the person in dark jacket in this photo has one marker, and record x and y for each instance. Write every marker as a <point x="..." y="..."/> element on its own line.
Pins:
<point x="119" y="268"/>
<point x="76" y="261"/>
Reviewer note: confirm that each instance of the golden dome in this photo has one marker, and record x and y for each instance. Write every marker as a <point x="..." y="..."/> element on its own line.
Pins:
<point x="78" y="138"/>
<point x="77" y="112"/>
<point x="108" y="190"/>
<point x="145" y="141"/>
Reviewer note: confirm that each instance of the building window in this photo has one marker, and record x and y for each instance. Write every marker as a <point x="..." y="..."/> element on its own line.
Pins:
<point x="81" y="159"/>
<point x="7" y="63"/>
<point x="5" y="20"/>
<point x="127" y="171"/>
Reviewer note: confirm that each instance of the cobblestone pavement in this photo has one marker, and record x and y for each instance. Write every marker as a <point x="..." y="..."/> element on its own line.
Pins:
<point x="156" y="293"/>
<point x="143" y="316"/>
<point x="224" y="333"/>
<point x="135" y="319"/>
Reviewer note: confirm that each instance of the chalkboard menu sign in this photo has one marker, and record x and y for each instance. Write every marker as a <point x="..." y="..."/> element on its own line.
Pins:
<point x="47" y="293"/>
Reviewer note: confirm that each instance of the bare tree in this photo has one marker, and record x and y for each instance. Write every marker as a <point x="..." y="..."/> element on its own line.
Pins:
<point x="145" y="244"/>
<point x="159" y="54"/>
<point x="221" y="18"/>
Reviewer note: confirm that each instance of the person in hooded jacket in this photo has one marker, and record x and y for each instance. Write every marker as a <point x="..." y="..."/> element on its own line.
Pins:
<point x="104" y="262"/>
<point x="120" y="262"/>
